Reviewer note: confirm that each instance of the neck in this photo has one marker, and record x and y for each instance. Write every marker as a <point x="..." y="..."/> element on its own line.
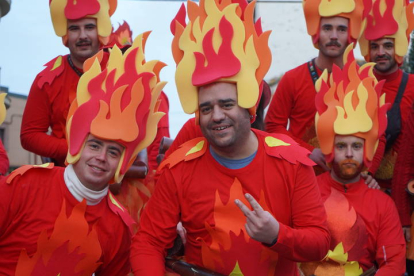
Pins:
<point x="79" y="191"/>
<point x="323" y="62"/>
<point x="345" y="181"/>
<point x="240" y="150"/>
<point x="78" y="63"/>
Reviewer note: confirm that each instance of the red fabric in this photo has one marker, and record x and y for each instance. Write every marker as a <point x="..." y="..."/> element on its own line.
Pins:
<point x="163" y="130"/>
<point x="386" y="243"/>
<point x="189" y="131"/>
<point x="188" y="191"/>
<point x="404" y="172"/>
<point x="46" y="107"/>
<point x="294" y="101"/>
<point x="4" y="160"/>
<point x="392" y="82"/>
<point x="31" y="204"/>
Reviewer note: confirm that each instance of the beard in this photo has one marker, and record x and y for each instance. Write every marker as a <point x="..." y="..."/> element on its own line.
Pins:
<point x="347" y="169"/>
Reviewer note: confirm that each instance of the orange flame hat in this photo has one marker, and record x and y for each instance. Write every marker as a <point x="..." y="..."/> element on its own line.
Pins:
<point x="118" y="103"/>
<point x="351" y="9"/>
<point x="350" y="103"/>
<point x="221" y="43"/>
<point x="102" y="10"/>
<point x="391" y="19"/>
<point x="122" y="37"/>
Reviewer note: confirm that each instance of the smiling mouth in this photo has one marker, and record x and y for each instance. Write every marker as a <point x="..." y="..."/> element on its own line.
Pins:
<point x="97" y="168"/>
<point x="221" y="128"/>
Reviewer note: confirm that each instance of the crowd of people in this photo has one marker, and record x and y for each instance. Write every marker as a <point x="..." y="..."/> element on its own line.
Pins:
<point x="321" y="184"/>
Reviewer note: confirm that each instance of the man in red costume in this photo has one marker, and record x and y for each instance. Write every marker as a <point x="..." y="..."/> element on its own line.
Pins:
<point x="364" y="224"/>
<point x="203" y="178"/>
<point x="403" y="185"/>
<point x="332" y="26"/>
<point x="64" y="221"/>
<point x="4" y="159"/>
<point x="385" y="42"/>
<point x="83" y="29"/>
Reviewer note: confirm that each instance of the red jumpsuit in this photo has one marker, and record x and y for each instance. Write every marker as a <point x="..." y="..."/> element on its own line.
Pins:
<point x="201" y="193"/>
<point x="4" y="160"/>
<point x="392" y="82"/>
<point x="39" y="214"/>
<point x="385" y="243"/>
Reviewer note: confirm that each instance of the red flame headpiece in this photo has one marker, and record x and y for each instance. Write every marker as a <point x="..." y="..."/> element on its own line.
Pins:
<point x="350" y="103"/>
<point x="221" y="42"/>
<point x="118" y="103"/>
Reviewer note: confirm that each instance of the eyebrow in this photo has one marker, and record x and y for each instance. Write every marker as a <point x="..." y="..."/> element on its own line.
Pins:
<point x="93" y="140"/>
<point x="223" y="101"/>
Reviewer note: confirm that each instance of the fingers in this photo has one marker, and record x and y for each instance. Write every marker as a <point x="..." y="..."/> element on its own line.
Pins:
<point x="255" y="205"/>
<point x="246" y="211"/>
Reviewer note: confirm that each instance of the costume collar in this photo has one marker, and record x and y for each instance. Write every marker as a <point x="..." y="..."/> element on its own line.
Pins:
<point x="389" y="77"/>
<point x="354" y="187"/>
<point x="79" y="191"/>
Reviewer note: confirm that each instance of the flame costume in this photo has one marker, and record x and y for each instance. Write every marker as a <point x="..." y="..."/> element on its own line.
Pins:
<point x="363" y="222"/>
<point x="216" y="238"/>
<point x="44" y="224"/>
<point x="391" y="19"/>
<point x="295" y="94"/>
<point x="222" y="43"/>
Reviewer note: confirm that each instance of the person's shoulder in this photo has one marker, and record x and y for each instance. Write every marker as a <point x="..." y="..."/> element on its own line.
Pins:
<point x="297" y="69"/>
<point x="188" y="151"/>
<point x="54" y="68"/>
<point x="283" y="147"/>
<point x="33" y="172"/>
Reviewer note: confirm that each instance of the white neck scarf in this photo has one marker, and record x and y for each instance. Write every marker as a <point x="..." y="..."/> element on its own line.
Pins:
<point x="79" y="191"/>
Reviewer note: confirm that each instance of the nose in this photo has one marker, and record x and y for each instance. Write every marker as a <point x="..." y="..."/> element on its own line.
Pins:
<point x="101" y="155"/>
<point x="82" y="34"/>
<point x="349" y="153"/>
<point x="381" y="51"/>
<point x="334" y="34"/>
<point x="218" y="114"/>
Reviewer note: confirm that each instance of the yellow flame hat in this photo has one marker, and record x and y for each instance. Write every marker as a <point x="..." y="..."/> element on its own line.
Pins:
<point x="391" y="19"/>
<point x="118" y="103"/>
<point x="102" y="10"/>
<point x="220" y="43"/>
<point x="351" y="9"/>
<point x="350" y="103"/>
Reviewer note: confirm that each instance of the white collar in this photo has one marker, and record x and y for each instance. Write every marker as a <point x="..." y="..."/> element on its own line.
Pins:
<point x="79" y="191"/>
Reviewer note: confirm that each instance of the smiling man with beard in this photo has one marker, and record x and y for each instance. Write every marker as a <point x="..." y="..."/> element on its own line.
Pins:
<point x="84" y="28"/>
<point x="363" y="222"/>
<point x="385" y="41"/>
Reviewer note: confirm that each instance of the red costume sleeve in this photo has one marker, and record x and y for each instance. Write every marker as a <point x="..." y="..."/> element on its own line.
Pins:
<point x="164" y="205"/>
<point x="309" y="229"/>
<point x="35" y="125"/>
<point x="376" y="161"/>
<point x="390" y="254"/>
<point x="4" y="160"/>
<point x="189" y="131"/>
<point x="163" y="130"/>
<point x="293" y="103"/>
<point x="404" y="172"/>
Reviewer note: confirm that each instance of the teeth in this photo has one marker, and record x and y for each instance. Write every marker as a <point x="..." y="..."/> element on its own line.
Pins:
<point x="96" y="168"/>
<point x="220" y="128"/>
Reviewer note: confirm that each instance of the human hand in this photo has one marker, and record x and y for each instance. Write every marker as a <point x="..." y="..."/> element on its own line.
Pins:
<point x="260" y="225"/>
<point x="370" y="181"/>
<point x="318" y="157"/>
<point x="407" y="233"/>
<point x="182" y="232"/>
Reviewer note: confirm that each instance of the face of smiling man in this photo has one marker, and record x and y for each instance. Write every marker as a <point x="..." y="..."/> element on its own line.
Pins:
<point x="224" y="124"/>
<point x="348" y="161"/>
<point x="98" y="162"/>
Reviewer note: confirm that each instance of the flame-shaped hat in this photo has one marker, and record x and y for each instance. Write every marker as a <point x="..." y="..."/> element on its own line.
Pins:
<point x="63" y="10"/>
<point x="351" y="9"/>
<point x="350" y="103"/>
<point x="122" y="37"/>
<point x="117" y="103"/>
<point x="391" y="19"/>
<point x="220" y="43"/>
